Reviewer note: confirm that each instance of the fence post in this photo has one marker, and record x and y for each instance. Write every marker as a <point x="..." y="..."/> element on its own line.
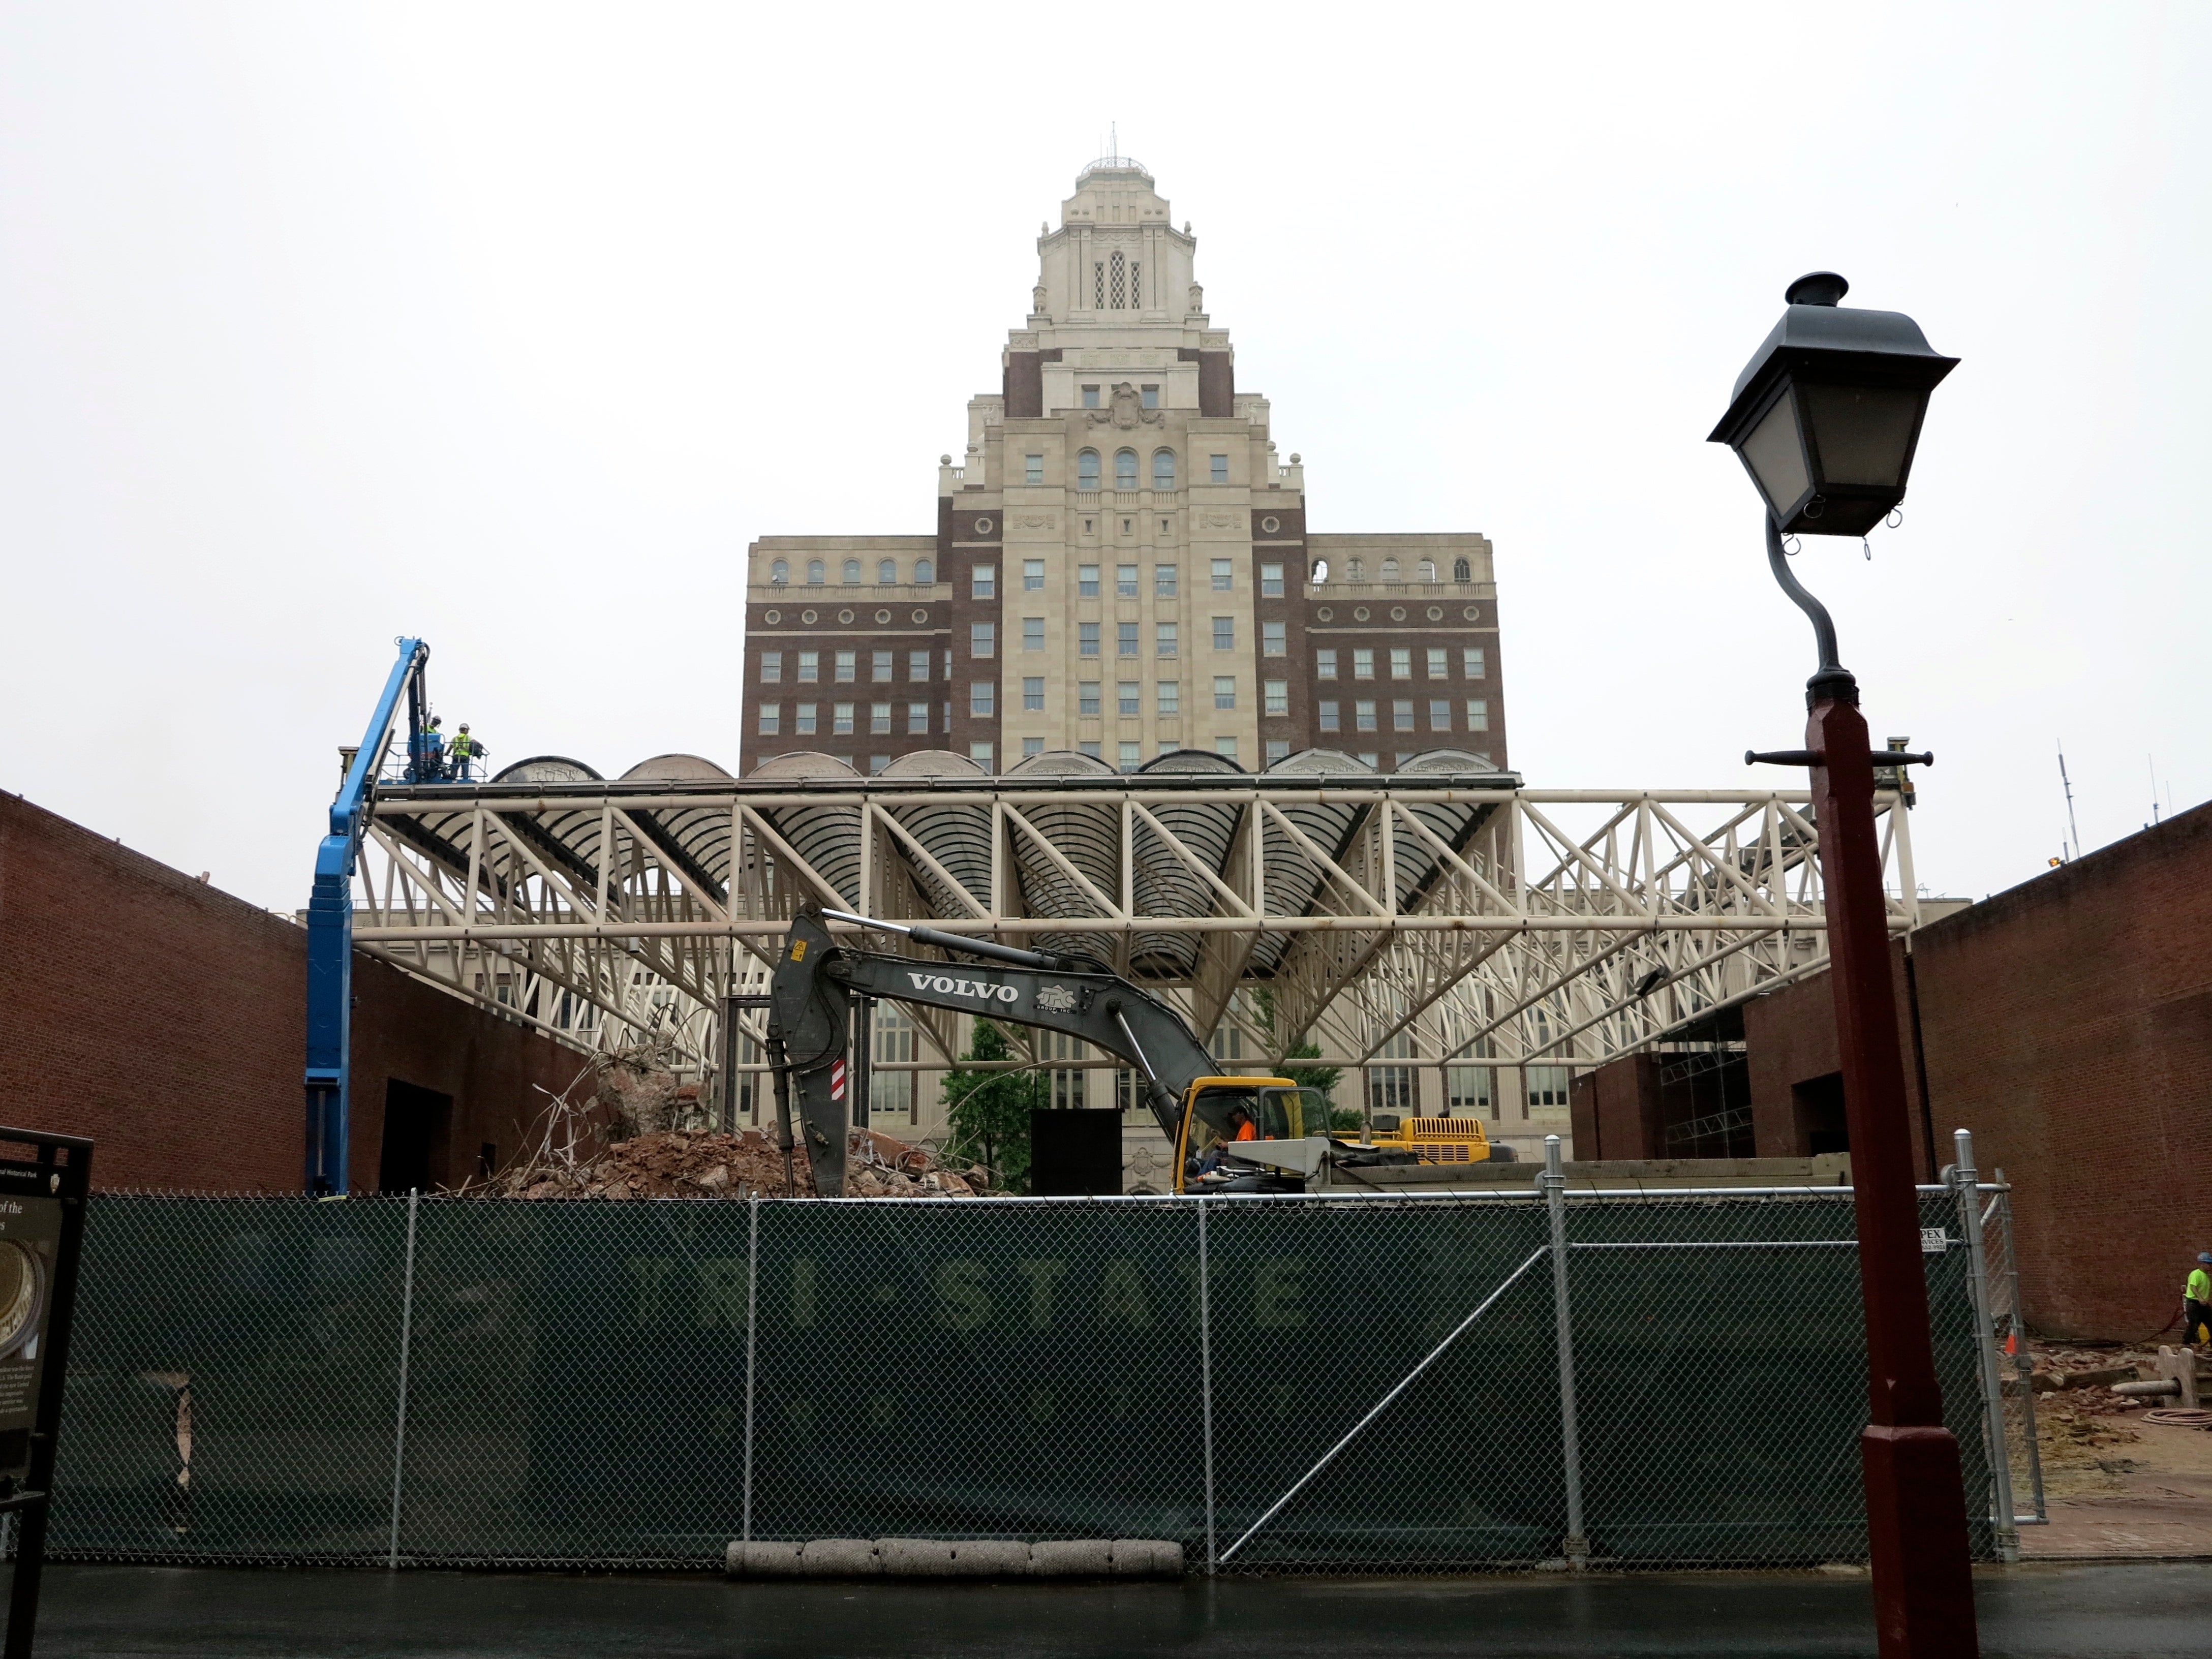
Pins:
<point x="1966" y="1190"/>
<point x="406" y="1337"/>
<point x="2023" y="1361"/>
<point x="1576" y="1546"/>
<point x="752" y="1306"/>
<point x="1206" y="1377"/>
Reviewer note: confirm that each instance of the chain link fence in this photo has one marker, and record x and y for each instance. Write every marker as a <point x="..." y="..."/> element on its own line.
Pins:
<point x="1425" y="1385"/>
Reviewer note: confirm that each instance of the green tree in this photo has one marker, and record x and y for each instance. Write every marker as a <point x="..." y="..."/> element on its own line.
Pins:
<point x="988" y="1112"/>
<point x="1322" y="1078"/>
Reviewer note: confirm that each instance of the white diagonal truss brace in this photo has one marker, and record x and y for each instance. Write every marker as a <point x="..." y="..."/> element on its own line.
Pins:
<point x="1396" y="917"/>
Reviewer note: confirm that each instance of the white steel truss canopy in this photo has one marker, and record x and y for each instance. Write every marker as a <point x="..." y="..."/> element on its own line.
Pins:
<point x="1438" y="913"/>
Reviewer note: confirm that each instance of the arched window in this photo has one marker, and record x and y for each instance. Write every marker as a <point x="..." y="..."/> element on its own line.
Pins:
<point x="815" y="574"/>
<point x="887" y="573"/>
<point x="1428" y="570"/>
<point x="1125" y="469"/>
<point x="1086" y="469"/>
<point x="852" y="572"/>
<point x="1389" y="571"/>
<point x="1320" y="571"/>
<point x="1461" y="571"/>
<point x="1163" y="469"/>
<point x="779" y="574"/>
<point x="1355" y="570"/>
<point x="925" y="572"/>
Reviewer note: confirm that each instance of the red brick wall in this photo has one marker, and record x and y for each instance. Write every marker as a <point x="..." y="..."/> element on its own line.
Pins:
<point x="2068" y="1023"/>
<point x="168" y="1020"/>
<point x="1616" y="1110"/>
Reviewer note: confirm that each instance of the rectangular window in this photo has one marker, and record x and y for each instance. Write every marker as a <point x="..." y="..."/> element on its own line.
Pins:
<point x="948" y="662"/>
<point x="983" y="582"/>
<point x="841" y="719"/>
<point x="917" y="666"/>
<point x="1150" y="395"/>
<point x="1272" y="640"/>
<point x="1132" y="756"/>
<point x="1363" y="663"/>
<point x="1439" y="714"/>
<point x="1086" y="639"/>
<point x="1224" y="576"/>
<point x="1329" y="717"/>
<point x="1166" y="746"/>
<point x="1225" y="633"/>
<point x="879" y="763"/>
<point x="810" y="667"/>
<point x="1402" y="662"/>
<point x="1471" y="1091"/>
<point x="1225" y="747"/>
<point x="1547" y="1086"/>
<point x="1032" y="469"/>
<point x="917" y="718"/>
<point x="771" y="667"/>
<point x="1086" y="698"/>
<point x="1220" y="468"/>
<point x="1224" y="691"/>
<point x="1439" y="669"/>
<point x="1471" y="662"/>
<point x="848" y="665"/>
<point x="1477" y="715"/>
<point x="1130" y="697"/>
<point x="981" y="754"/>
<point x="1087" y="581"/>
<point x="1033" y="693"/>
<point x="1278" y="696"/>
<point x="1401" y="714"/>
<point x="1325" y="665"/>
<point x="1271" y="582"/>
<point x="1091" y="746"/>
<point x="1163" y="581"/>
<point x="1163" y="639"/>
<point x="982" y="639"/>
<point x="1032" y="746"/>
<point x="1170" y="695"/>
<point x="1033" y="633"/>
<point x="1363" y="713"/>
<point x="1278" y="748"/>
<point x="1368" y="757"/>
<point x="1124" y="581"/>
<point x="879" y="720"/>
<point x="1091" y="396"/>
<point x="879" y="665"/>
<point x="804" y="725"/>
<point x="771" y="719"/>
<point x="1125" y="638"/>
<point x="982" y="698"/>
<point x="1032" y="575"/>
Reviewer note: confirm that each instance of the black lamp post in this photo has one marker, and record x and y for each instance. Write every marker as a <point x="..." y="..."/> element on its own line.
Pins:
<point x="1825" y="417"/>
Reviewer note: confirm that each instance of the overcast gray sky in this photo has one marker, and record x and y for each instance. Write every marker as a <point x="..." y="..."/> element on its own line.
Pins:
<point x="510" y="325"/>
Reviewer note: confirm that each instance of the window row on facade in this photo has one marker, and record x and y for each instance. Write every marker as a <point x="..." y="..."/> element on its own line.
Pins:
<point x="850" y="572"/>
<point x="1355" y="570"/>
<point x="844" y="666"/>
<point x="1330" y="661"/>
<point x="1368" y="713"/>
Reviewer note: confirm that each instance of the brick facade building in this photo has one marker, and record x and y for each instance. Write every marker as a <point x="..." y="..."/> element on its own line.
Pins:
<point x="2068" y="1023"/>
<point x="168" y="1020"/>
<point x="1121" y="565"/>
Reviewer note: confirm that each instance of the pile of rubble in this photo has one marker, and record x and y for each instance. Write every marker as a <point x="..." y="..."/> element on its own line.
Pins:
<point x="701" y="1164"/>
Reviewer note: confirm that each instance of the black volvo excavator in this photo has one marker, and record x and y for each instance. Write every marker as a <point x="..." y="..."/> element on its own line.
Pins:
<point x="1237" y="1134"/>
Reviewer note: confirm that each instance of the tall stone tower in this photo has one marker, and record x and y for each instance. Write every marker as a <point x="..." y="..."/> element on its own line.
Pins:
<point x="1121" y="564"/>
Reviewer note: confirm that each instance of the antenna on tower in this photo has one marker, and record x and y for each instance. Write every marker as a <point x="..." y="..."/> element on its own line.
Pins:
<point x="2067" y="783"/>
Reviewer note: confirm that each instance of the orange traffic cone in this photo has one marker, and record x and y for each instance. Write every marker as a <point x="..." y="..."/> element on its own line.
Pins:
<point x="2012" y="1341"/>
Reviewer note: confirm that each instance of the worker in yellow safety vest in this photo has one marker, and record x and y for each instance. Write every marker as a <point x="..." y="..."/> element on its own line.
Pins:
<point x="465" y="749"/>
<point x="2197" y="1302"/>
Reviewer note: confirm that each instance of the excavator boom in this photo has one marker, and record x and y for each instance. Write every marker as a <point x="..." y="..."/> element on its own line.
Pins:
<point x="810" y="1020"/>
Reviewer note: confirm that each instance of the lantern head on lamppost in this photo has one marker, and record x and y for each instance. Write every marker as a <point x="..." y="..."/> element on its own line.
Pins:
<point x="1827" y="414"/>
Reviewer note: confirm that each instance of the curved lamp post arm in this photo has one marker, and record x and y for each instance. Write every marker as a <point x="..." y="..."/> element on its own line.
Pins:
<point x="1823" y="627"/>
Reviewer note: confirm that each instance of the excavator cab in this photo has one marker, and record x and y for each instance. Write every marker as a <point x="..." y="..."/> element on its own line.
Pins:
<point x="1217" y="1155"/>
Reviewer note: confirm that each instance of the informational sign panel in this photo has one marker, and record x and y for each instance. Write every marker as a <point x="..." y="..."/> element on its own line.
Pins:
<point x="30" y="1239"/>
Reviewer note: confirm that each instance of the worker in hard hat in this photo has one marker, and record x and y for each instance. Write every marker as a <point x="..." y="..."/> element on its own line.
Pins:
<point x="430" y="753"/>
<point x="465" y="749"/>
<point x="2196" y="1301"/>
<point x="1240" y="1127"/>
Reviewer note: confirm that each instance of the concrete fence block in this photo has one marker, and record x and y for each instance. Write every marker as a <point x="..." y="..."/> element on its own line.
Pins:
<point x="839" y="1558"/>
<point x="1148" y="1557"/>
<point x="1071" y="1557"/>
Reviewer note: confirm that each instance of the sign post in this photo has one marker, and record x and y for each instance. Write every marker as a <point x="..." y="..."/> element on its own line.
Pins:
<point x="41" y="1237"/>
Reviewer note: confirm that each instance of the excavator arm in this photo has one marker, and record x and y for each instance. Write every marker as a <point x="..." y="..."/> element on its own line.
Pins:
<point x="810" y="1009"/>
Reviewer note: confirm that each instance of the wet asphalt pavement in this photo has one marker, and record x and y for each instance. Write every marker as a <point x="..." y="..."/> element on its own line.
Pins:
<point x="2138" y="1609"/>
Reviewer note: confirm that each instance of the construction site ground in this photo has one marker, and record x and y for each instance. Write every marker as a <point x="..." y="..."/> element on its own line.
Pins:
<point x="2116" y="1483"/>
<point x="2144" y="1610"/>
